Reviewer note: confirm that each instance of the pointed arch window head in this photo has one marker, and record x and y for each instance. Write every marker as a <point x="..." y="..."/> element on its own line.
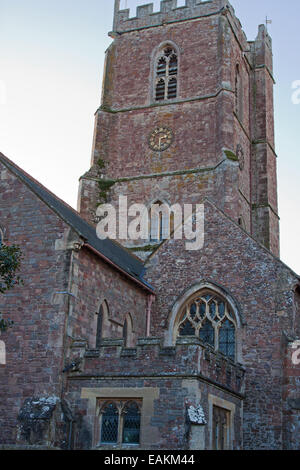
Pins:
<point x="210" y="318"/>
<point x="157" y="222"/>
<point x="238" y="93"/>
<point x="110" y="424"/>
<point x="101" y="323"/>
<point x="166" y="74"/>
<point x="128" y="335"/>
<point x="119" y="421"/>
<point x="131" y="424"/>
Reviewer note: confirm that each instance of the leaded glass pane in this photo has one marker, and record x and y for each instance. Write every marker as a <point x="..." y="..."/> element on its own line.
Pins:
<point x="207" y="297"/>
<point x="207" y="333"/>
<point x="110" y="421"/>
<point x="131" y="424"/>
<point x="212" y="310"/>
<point x="202" y="310"/>
<point x="193" y="311"/>
<point x="206" y="316"/>
<point x="221" y="309"/>
<point x="187" y="329"/>
<point x="227" y="339"/>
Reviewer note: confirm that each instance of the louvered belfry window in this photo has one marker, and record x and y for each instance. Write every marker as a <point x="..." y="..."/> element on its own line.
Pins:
<point x="166" y="75"/>
<point x="210" y="318"/>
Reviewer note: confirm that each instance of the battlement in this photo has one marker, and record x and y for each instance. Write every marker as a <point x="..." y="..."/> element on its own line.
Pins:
<point x="188" y="358"/>
<point x="169" y="13"/>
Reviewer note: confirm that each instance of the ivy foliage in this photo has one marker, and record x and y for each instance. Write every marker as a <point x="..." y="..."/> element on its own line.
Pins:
<point x="10" y="262"/>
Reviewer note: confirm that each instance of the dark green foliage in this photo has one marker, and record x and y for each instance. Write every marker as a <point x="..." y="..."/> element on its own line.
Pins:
<point x="104" y="187"/>
<point x="231" y="156"/>
<point x="10" y="261"/>
<point x="101" y="164"/>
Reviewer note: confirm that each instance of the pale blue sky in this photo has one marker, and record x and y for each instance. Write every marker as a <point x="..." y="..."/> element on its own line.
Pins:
<point x="51" y="59"/>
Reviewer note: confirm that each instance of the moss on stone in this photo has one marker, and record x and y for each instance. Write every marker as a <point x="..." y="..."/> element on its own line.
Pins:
<point x="144" y="248"/>
<point x="104" y="187"/>
<point x="101" y="164"/>
<point x="231" y="156"/>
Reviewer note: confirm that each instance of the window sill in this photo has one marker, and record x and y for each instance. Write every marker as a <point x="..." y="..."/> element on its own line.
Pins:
<point x="117" y="446"/>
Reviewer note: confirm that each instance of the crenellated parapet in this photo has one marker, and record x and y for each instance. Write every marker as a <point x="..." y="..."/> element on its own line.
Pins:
<point x="189" y="358"/>
<point x="169" y="13"/>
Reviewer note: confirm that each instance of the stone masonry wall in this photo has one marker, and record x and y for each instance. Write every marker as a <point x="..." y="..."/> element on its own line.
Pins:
<point x="34" y="344"/>
<point x="203" y="117"/>
<point x="94" y="282"/>
<point x="186" y="375"/>
<point x="263" y="291"/>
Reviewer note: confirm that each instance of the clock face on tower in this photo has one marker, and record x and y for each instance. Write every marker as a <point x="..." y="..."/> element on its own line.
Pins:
<point x="160" y="139"/>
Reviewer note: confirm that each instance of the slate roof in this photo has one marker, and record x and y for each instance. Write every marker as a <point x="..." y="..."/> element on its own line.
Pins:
<point x="111" y="250"/>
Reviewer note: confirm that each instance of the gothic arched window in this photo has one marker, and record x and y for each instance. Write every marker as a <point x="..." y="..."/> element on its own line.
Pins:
<point x="102" y="318"/>
<point x="210" y="317"/>
<point x="109" y="424"/>
<point x="238" y="93"/>
<point x="131" y="424"/>
<point x="166" y="74"/>
<point x="128" y="331"/>
<point x="157" y="218"/>
<point x="99" y="327"/>
<point x="120" y="422"/>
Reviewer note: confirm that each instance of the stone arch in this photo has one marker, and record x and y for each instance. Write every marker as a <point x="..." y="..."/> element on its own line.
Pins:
<point x="156" y="226"/>
<point x="167" y="225"/>
<point x="128" y="333"/>
<point x="174" y="316"/>
<point x="102" y="322"/>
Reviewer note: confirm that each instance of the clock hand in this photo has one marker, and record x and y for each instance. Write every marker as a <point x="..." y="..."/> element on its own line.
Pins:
<point x="161" y="138"/>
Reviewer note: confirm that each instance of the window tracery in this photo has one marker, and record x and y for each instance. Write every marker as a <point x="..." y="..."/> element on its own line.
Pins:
<point x="120" y="422"/>
<point x="166" y="74"/>
<point x="210" y="318"/>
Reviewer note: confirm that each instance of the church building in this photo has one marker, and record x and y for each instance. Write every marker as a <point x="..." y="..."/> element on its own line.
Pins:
<point x="144" y="344"/>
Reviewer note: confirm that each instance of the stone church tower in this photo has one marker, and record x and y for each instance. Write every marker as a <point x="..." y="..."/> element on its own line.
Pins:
<point x="152" y="346"/>
<point x="187" y="80"/>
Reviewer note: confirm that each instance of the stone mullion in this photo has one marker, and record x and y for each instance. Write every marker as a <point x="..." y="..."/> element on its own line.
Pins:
<point x="120" y="423"/>
<point x="167" y="77"/>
